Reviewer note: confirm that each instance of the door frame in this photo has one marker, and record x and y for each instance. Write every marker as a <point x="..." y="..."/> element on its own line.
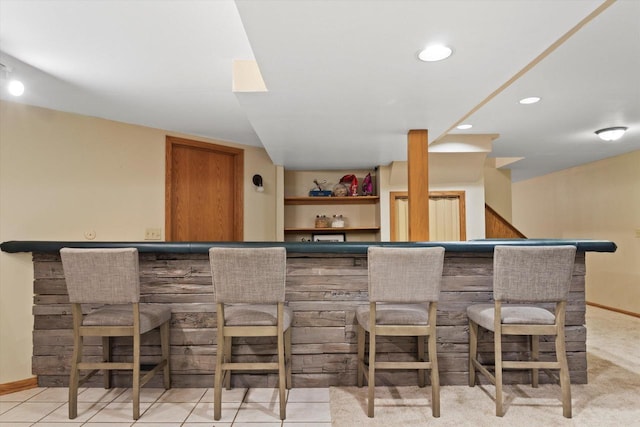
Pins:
<point x="460" y="195"/>
<point x="238" y="156"/>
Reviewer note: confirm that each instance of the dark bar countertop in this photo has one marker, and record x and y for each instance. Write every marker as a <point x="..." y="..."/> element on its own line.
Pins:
<point x="482" y="245"/>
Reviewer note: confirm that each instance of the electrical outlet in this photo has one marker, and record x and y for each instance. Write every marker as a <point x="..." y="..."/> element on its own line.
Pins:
<point x="153" y="234"/>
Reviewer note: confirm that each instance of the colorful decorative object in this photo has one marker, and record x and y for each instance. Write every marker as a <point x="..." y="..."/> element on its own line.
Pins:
<point x="367" y="186"/>
<point x="352" y="182"/>
<point x="317" y="191"/>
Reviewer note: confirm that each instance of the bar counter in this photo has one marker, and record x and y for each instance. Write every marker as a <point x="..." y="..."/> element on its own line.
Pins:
<point x="326" y="282"/>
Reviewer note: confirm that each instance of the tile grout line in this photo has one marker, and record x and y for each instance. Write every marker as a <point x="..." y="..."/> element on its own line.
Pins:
<point x="50" y="412"/>
<point x="194" y="406"/>
<point x="244" y="396"/>
<point x="149" y="407"/>
<point x="101" y="409"/>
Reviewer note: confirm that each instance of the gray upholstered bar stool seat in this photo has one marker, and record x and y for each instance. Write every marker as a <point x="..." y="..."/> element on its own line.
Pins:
<point x="404" y="288"/>
<point x="111" y="277"/>
<point x="249" y="290"/>
<point x="526" y="276"/>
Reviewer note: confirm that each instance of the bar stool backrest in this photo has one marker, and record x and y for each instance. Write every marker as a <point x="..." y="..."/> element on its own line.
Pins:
<point x="248" y="275"/>
<point x="391" y="281"/>
<point x="533" y="273"/>
<point x="104" y="276"/>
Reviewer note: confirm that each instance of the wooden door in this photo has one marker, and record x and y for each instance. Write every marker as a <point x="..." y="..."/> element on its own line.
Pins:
<point x="204" y="191"/>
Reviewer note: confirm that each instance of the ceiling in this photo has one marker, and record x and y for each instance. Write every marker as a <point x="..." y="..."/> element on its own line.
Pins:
<point x="344" y="85"/>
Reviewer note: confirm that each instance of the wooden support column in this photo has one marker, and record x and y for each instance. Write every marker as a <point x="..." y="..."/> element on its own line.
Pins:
<point x="418" y="171"/>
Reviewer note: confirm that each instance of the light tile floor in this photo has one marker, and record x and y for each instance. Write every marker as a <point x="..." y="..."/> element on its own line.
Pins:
<point x="188" y="407"/>
<point x="612" y="398"/>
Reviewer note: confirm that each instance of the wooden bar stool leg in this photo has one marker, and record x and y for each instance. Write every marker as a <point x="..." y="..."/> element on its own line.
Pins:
<point x="165" y="334"/>
<point x="217" y="381"/>
<point x="433" y="359"/>
<point x="421" y="372"/>
<point x="361" y="346"/>
<point x="136" y="376"/>
<point x="565" y="384"/>
<point x="561" y="355"/>
<point x="473" y="352"/>
<point x="76" y="358"/>
<point x="281" y="364"/>
<point x="282" y="375"/>
<point x="535" y="354"/>
<point x="74" y="379"/>
<point x="372" y="374"/>
<point x="228" y="344"/>
<point x="435" y="376"/>
<point x="106" y="357"/>
<point x="287" y="352"/>
<point x="498" y="372"/>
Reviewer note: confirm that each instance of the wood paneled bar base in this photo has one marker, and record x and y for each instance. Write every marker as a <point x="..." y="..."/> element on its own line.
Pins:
<point x="326" y="282"/>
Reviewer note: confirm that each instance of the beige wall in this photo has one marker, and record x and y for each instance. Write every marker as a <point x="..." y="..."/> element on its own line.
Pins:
<point x="599" y="200"/>
<point x="63" y="175"/>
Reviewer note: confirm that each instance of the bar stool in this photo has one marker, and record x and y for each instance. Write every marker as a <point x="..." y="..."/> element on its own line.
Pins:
<point x="110" y="277"/>
<point x="249" y="288"/>
<point x="404" y="288"/>
<point x="525" y="275"/>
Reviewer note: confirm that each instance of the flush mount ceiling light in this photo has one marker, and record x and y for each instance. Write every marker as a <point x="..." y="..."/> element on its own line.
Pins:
<point x="611" y="134"/>
<point x="464" y="126"/>
<point x="530" y="100"/>
<point x="436" y="52"/>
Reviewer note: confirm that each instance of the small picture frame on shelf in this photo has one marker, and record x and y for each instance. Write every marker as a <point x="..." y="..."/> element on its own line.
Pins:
<point x="336" y="237"/>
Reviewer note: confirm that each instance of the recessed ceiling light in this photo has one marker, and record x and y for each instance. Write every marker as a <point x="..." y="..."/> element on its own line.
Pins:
<point x="530" y="100"/>
<point x="611" y="134"/>
<point x="464" y="126"/>
<point x="436" y="52"/>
